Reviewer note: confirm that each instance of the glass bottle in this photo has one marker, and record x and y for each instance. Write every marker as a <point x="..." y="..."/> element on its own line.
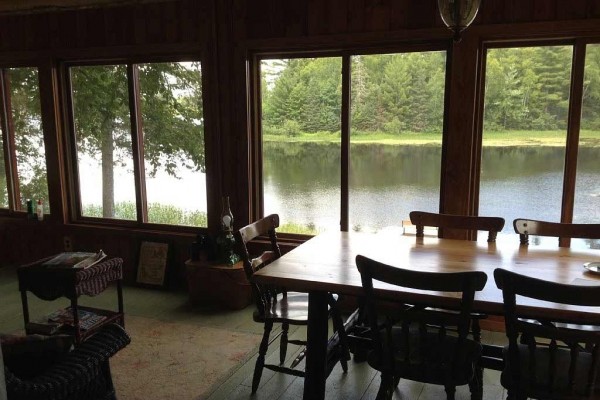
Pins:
<point x="226" y="216"/>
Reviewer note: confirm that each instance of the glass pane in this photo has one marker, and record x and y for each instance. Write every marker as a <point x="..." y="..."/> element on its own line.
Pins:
<point x="103" y="133"/>
<point x="301" y="105"/>
<point x="587" y="189"/>
<point x="173" y="126"/>
<point x="3" y="183"/>
<point x="29" y="137"/>
<point x="396" y="137"/>
<point x="524" y="132"/>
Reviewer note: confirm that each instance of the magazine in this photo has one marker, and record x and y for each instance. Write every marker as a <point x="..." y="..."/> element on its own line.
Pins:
<point x="87" y="319"/>
<point x="78" y="259"/>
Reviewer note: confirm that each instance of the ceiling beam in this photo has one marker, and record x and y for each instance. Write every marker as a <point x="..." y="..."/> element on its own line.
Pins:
<point x="34" y="6"/>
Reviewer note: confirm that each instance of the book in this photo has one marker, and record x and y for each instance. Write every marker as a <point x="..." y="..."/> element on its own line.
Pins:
<point x="79" y="259"/>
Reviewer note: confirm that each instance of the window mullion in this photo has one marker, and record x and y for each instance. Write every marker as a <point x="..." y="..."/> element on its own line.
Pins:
<point x="345" y="156"/>
<point x="137" y="142"/>
<point x="10" y="158"/>
<point x="573" y="126"/>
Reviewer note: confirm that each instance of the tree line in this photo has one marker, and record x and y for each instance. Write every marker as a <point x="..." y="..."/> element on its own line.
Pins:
<point x="525" y="89"/>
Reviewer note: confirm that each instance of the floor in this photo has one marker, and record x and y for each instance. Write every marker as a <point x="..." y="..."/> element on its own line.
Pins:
<point x="360" y="383"/>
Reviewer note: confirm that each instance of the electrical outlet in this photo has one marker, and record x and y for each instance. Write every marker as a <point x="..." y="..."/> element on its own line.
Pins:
<point x="68" y="243"/>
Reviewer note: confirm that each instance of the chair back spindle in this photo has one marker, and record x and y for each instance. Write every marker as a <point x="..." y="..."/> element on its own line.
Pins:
<point x="549" y="357"/>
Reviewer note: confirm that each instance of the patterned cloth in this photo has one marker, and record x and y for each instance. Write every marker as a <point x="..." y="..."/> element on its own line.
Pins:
<point x="50" y="284"/>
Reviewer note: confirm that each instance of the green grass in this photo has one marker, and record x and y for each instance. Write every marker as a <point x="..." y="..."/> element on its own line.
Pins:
<point x="157" y="214"/>
<point x="587" y="138"/>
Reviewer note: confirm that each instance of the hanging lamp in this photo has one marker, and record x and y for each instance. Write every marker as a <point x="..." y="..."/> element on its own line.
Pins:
<point x="458" y="14"/>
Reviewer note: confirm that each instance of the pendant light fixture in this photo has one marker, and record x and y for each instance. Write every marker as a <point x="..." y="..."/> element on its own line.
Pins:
<point x="458" y="14"/>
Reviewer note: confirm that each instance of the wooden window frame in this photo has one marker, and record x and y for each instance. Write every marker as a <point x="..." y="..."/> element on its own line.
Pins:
<point x="13" y="185"/>
<point x="255" y="107"/>
<point x="137" y="147"/>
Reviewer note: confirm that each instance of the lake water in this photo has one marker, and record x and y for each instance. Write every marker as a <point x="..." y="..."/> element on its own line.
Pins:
<point x="301" y="183"/>
<point x="302" y="180"/>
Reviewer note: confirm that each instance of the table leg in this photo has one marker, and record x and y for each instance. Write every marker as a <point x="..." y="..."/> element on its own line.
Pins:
<point x="316" y="355"/>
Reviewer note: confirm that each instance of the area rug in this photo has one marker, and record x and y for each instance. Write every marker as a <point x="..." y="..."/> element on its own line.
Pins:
<point x="168" y="360"/>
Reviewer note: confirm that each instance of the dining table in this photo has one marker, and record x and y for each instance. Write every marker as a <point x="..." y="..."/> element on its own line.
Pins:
<point x="326" y="264"/>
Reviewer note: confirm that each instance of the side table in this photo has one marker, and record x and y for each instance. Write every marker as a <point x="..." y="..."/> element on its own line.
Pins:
<point x="53" y="283"/>
<point x="225" y="285"/>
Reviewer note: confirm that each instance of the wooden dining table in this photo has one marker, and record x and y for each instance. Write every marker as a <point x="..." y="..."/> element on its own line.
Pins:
<point x="326" y="263"/>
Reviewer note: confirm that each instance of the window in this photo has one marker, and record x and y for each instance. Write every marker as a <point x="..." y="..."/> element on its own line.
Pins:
<point x="392" y="144"/>
<point x="532" y="165"/>
<point x="587" y="189"/>
<point x="23" y="168"/>
<point x="396" y="136"/>
<point x="139" y="139"/>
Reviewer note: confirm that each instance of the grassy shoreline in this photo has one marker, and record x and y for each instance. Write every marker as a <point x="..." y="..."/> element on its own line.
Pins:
<point x="587" y="138"/>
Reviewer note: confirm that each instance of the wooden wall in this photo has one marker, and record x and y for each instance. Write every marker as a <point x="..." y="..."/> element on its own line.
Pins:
<point x="225" y="33"/>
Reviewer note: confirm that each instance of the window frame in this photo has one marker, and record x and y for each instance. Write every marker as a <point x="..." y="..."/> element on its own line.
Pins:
<point x="255" y="114"/>
<point x="73" y="196"/>
<point x="579" y="46"/>
<point x="7" y="130"/>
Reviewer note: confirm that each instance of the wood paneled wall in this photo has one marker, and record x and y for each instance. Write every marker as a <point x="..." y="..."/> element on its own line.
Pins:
<point x="225" y="33"/>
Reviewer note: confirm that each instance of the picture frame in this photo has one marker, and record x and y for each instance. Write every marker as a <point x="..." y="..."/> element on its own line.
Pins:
<point x="152" y="263"/>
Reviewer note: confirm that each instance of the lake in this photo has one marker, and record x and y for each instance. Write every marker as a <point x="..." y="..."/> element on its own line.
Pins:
<point x="301" y="183"/>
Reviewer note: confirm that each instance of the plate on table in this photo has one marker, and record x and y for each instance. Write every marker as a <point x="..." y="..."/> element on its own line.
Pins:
<point x="592" y="267"/>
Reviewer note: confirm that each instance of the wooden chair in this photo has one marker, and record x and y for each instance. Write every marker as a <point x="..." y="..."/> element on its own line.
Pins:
<point x="413" y="342"/>
<point x="526" y="227"/>
<point x="549" y="361"/>
<point x="491" y="224"/>
<point x="278" y="306"/>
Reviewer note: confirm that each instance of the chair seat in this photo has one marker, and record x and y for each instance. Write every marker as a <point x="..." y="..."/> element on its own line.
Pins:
<point x="560" y="387"/>
<point x="292" y="308"/>
<point x="430" y="357"/>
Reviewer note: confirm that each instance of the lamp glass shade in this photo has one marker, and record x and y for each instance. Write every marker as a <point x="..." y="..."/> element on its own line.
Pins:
<point x="458" y="14"/>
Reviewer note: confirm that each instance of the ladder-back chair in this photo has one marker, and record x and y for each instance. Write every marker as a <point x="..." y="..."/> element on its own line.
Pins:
<point x="278" y="306"/>
<point x="545" y="359"/>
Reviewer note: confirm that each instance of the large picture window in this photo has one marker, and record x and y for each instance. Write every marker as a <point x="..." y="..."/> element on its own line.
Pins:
<point x="532" y="164"/>
<point x="320" y="172"/>
<point x="139" y="139"/>
<point x="23" y="161"/>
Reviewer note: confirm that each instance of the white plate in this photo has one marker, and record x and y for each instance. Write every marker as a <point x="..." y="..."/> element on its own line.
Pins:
<point x="592" y="267"/>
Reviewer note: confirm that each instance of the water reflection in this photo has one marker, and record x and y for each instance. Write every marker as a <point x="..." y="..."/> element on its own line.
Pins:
<point x="302" y="180"/>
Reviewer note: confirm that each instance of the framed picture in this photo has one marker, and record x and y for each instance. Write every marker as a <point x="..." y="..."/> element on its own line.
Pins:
<point x="152" y="263"/>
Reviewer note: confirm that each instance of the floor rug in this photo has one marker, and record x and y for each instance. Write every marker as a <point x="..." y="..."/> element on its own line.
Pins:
<point x="168" y="360"/>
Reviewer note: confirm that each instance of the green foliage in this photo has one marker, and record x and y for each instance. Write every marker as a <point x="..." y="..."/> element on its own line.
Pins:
<point x="526" y="88"/>
<point x="157" y="213"/>
<point x="292" y="227"/>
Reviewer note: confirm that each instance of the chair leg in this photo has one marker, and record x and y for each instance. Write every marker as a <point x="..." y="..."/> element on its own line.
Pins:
<point x="285" y="328"/>
<point x="338" y="326"/>
<point x="386" y="389"/>
<point x="476" y="384"/>
<point x="262" y="351"/>
<point x="450" y="391"/>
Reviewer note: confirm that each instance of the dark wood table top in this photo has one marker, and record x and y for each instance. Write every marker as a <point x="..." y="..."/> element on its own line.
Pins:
<point x="327" y="263"/>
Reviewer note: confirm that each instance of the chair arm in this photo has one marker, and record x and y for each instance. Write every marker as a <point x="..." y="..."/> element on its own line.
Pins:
<point x="76" y="371"/>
